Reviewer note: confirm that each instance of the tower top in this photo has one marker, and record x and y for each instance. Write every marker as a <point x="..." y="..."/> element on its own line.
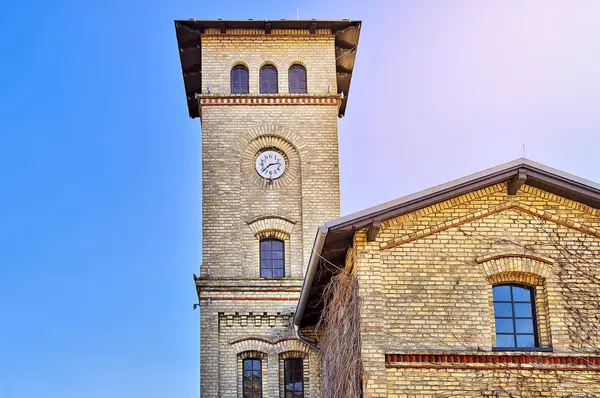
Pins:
<point x="189" y="40"/>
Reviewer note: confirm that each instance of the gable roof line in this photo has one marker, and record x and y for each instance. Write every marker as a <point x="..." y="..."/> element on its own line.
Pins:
<point x="462" y="185"/>
<point x="537" y="175"/>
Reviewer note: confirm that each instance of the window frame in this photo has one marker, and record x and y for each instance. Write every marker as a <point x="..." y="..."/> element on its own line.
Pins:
<point x="514" y="318"/>
<point x="260" y="79"/>
<point x="286" y="380"/>
<point x="247" y="76"/>
<point x="290" y="70"/>
<point x="260" y="381"/>
<point x="272" y="268"/>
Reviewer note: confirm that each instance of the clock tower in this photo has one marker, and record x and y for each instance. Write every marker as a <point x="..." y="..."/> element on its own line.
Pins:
<point x="268" y="94"/>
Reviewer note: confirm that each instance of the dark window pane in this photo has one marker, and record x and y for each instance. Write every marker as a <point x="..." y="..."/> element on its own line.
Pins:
<point x="297" y="79"/>
<point x="272" y="263"/>
<point x="515" y="322"/>
<point x="501" y="293"/>
<point x="504" y="325"/>
<point x="524" y="325"/>
<point x="525" y="340"/>
<point x="505" y="340"/>
<point x="521" y="294"/>
<point x="293" y="378"/>
<point x="503" y="310"/>
<point x="523" y="310"/>
<point x="268" y="80"/>
<point x="239" y="80"/>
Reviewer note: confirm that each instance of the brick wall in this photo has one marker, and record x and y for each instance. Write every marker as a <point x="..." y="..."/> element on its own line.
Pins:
<point x="239" y="207"/>
<point x="426" y="288"/>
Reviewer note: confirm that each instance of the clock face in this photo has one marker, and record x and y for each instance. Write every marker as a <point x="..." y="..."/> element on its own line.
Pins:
<point x="270" y="164"/>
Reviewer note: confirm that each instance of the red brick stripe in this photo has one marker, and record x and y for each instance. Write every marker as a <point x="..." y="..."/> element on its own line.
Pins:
<point x="462" y="361"/>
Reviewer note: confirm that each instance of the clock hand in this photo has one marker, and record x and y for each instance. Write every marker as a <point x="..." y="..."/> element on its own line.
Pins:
<point x="271" y="164"/>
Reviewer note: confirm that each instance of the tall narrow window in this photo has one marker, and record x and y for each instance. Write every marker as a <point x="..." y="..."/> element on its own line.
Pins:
<point x="239" y="80"/>
<point x="268" y="80"/>
<point x="293" y="378"/>
<point x="514" y="313"/>
<point x="297" y="79"/>
<point x="272" y="263"/>
<point x="252" y="378"/>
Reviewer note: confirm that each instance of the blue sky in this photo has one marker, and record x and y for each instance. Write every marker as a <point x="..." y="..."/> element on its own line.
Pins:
<point x="100" y="206"/>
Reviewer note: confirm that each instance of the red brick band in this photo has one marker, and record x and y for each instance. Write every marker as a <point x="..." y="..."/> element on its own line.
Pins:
<point x="464" y="361"/>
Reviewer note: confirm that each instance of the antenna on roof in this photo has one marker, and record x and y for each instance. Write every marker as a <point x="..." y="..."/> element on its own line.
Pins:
<point x="297" y="14"/>
<point x="523" y="150"/>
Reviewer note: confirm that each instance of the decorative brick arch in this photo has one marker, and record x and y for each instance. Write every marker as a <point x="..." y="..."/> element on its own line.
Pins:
<point x="271" y="227"/>
<point x="284" y="140"/>
<point x="500" y="265"/>
<point x="520" y="268"/>
<point x="261" y="345"/>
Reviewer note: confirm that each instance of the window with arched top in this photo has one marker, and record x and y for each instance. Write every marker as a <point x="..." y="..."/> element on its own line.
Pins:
<point x="268" y="80"/>
<point x="297" y="79"/>
<point x="515" y="318"/>
<point x="239" y="80"/>
<point x="272" y="263"/>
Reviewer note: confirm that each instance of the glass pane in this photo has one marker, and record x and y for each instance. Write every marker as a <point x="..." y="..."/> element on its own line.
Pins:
<point x="265" y="244"/>
<point x="523" y="310"/>
<point x="266" y="264"/>
<point x="525" y="340"/>
<point x="505" y="340"/>
<point x="503" y="310"/>
<point x="264" y="254"/>
<point x="278" y="273"/>
<point x="277" y="254"/>
<point x="521" y="294"/>
<point x="504" y="325"/>
<point x="277" y="245"/>
<point x="266" y="273"/>
<point x="247" y="364"/>
<point x="524" y="325"/>
<point x="298" y="386"/>
<point x="501" y="293"/>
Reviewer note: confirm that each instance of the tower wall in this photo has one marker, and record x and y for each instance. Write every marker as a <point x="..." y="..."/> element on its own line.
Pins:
<point x="242" y="313"/>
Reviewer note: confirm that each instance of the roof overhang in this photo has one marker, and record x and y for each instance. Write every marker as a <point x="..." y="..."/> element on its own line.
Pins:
<point x="335" y="237"/>
<point x="190" y="49"/>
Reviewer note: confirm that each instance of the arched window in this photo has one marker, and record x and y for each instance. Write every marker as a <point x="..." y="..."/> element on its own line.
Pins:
<point x="252" y="378"/>
<point x="239" y="80"/>
<point x="297" y="79"/>
<point x="268" y="80"/>
<point x="514" y="314"/>
<point x="293" y="377"/>
<point x="272" y="263"/>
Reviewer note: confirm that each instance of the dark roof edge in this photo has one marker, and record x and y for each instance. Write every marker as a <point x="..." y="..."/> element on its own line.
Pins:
<point x="535" y="171"/>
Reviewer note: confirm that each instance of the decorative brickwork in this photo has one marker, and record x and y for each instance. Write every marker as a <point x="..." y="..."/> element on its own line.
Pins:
<point x="241" y="312"/>
<point x="426" y="285"/>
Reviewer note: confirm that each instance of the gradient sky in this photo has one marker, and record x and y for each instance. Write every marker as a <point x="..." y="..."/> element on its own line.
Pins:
<point x="100" y="164"/>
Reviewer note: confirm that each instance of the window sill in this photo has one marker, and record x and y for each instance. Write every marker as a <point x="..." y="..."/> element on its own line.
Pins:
<point x="512" y="349"/>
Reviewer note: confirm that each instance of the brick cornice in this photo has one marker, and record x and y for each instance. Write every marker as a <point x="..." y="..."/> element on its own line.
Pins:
<point x="276" y="99"/>
<point x="493" y="361"/>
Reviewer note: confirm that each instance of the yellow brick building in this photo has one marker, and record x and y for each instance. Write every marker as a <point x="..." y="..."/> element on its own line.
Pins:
<point x="487" y="286"/>
<point x="268" y="94"/>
